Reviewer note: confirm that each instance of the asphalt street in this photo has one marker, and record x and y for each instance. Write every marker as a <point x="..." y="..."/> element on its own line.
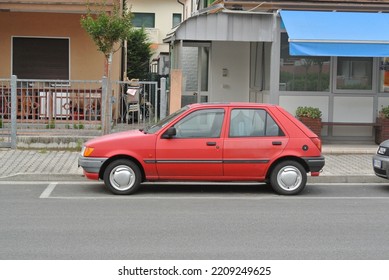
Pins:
<point x="81" y="220"/>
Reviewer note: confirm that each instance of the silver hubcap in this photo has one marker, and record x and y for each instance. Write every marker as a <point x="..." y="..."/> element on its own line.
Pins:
<point x="122" y="177"/>
<point x="289" y="178"/>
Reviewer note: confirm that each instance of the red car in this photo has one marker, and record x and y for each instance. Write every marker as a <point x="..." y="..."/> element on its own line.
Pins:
<point x="209" y="142"/>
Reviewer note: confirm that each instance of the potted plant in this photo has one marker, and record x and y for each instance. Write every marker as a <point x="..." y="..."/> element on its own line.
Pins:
<point x="311" y="117"/>
<point x="382" y="128"/>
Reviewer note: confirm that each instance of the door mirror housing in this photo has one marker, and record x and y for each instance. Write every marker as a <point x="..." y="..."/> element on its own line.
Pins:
<point x="169" y="133"/>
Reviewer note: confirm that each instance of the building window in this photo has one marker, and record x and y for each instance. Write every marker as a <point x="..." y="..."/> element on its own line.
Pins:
<point x="176" y="19"/>
<point x="303" y="73"/>
<point x="354" y="73"/>
<point x="40" y="58"/>
<point x="146" y="20"/>
<point x="384" y="67"/>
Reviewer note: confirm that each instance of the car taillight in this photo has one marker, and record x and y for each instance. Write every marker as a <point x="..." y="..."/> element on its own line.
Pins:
<point x="317" y="142"/>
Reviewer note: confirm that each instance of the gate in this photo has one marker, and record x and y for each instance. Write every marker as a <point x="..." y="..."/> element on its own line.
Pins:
<point x="141" y="103"/>
<point x="8" y="113"/>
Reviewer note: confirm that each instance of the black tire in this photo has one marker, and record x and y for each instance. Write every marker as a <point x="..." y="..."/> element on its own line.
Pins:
<point x="122" y="177"/>
<point x="288" y="178"/>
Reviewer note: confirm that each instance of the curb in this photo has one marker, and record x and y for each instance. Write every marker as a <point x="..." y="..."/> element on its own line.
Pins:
<point x="339" y="179"/>
<point x="52" y="142"/>
<point x="44" y="177"/>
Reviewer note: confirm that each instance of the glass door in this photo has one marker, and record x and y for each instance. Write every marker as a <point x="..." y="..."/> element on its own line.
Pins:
<point x="195" y="74"/>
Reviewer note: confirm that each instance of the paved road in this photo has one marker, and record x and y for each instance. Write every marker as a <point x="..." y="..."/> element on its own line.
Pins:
<point x="81" y="220"/>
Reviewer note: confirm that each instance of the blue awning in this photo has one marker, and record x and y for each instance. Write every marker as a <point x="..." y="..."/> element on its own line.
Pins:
<point x="313" y="33"/>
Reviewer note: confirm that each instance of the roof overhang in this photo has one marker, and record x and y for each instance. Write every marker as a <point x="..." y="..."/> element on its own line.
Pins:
<point x="54" y="6"/>
<point x="242" y="27"/>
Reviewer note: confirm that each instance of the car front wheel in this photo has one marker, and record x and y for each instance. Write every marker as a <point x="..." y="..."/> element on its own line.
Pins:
<point x="288" y="178"/>
<point x="122" y="177"/>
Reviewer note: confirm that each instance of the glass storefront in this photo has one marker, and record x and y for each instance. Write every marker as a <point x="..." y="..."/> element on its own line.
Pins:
<point x="303" y="73"/>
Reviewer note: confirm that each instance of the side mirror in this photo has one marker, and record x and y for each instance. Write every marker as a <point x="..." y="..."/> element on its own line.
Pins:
<point x="170" y="133"/>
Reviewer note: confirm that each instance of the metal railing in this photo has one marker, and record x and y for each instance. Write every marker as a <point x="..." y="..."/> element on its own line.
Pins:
<point x="66" y="107"/>
<point x="5" y="114"/>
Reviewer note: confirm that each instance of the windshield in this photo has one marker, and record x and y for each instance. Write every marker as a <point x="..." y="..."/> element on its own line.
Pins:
<point x="165" y="121"/>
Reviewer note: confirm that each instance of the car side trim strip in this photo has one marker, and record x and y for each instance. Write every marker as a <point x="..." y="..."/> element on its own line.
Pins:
<point x="246" y="161"/>
<point x="183" y="161"/>
<point x="233" y="161"/>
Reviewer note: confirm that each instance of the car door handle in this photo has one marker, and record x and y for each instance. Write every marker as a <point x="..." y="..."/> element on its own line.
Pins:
<point x="211" y="143"/>
<point x="277" y="143"/>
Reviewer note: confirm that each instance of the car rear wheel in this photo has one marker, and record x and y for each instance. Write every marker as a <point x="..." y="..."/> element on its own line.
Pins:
<point x="288" y="178"/>
<point x="122" y="177"/>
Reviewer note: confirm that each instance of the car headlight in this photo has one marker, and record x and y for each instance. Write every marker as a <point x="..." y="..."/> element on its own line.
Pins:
<point x="86" y="151"/>
<point x="381" y="150"/>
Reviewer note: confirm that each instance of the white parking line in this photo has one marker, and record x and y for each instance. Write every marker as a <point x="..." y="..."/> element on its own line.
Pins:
<point x="23" y="183"/>
<point x="149" y="197"/>
<point x="47" y="192"/>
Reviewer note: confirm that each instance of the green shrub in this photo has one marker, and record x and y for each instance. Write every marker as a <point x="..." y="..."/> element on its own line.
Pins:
<point x="50" y="125"/>
<point x="309" y="112"/>
<point x="384" y="113"/>
<point x="78" y="126"/>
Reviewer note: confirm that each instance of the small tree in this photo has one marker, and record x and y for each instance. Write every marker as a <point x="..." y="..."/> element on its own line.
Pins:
<point x="107" y="29"/>
<point x="138" y="54"/>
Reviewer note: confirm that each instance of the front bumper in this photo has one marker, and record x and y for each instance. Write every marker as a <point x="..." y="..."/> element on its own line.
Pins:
<point x="381" y="166"/>
<point x="90" y="164"/>
<point x="315" y="164"/>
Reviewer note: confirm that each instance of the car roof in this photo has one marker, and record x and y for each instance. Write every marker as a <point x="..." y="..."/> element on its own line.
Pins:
<point x="231" y="104"/>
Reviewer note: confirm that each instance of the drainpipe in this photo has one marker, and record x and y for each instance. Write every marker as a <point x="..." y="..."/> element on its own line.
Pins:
<point x="123" y="75"/>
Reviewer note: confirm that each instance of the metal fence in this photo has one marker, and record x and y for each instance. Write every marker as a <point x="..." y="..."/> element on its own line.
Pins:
<point x="7" y="135"/>
<point x="62" y="107"/>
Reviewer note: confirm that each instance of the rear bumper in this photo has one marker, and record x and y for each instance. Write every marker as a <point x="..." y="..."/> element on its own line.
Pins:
<point x="315" y="164"/>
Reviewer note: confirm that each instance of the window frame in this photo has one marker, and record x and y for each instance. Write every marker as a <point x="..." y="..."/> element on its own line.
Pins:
<point x="334" y="70"/>
<point x="173" y="19"/>
<point x="144" y="14"/>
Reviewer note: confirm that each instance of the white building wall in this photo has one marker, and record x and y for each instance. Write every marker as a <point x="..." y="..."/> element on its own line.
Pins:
<point x="229" y="72"/>
<point x="163" y="10"/>
<point x="291" y="102"/>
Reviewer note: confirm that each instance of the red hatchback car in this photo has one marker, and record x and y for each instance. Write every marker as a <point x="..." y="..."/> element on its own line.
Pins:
<point x="209" y="142"/>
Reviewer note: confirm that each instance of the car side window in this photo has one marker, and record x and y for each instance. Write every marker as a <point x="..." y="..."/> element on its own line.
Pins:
<point x="201" y="124"/>
<point x="253" y="123"/>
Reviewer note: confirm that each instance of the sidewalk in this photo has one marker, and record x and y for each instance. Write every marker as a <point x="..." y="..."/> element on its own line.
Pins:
<point x="344" y="163"/>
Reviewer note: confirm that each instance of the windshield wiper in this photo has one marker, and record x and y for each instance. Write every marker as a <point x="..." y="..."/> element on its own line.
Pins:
<point x="144" y="130"/>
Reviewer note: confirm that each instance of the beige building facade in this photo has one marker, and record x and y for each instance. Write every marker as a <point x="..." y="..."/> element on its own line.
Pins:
<point x="49" y="33"/>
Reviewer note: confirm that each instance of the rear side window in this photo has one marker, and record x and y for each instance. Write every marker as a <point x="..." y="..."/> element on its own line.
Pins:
<point x="253" y="123"/>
